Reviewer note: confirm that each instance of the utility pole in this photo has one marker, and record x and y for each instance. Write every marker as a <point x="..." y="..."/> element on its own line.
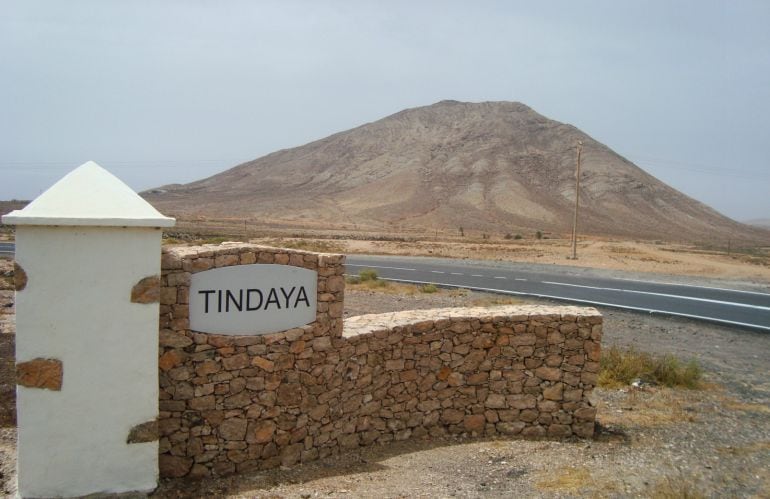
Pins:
<point x="577" y="201"/>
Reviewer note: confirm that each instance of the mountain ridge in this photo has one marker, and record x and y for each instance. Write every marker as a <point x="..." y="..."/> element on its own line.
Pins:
<point x="495" y="166"/>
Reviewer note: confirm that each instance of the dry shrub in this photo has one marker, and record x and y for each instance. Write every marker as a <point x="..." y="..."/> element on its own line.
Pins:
<point x="623" y="367"/>
<point x="368" y="275"/>
<point x="565" y="480"/>
<point x="651" y="407"/>
<point x="496" y="300"/>
<point x="675" y="488"/>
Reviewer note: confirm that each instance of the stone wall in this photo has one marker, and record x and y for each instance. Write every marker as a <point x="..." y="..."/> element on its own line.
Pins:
<point x="236" y="403"/>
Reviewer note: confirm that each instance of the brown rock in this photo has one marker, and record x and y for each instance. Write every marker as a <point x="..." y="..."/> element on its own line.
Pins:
<point x="19" y="277"/>
<point x="145" y="432"/>
<point x="335" y="283"/>
<point x="263" y="432"/>
<point x="559" y="430"/>
<point x="203" y="403"/>
<point x="321" y="344"/>
<point x="511" y="428"/>
<point x="147" y="290"/>
<point x="262" y="363"/>
<point x="593" y="350"/>
<point x="443" y="373"/>
<point x="548" y="373"/>
<point x="523" y="339"/>
<point x="174" y="466"/>
<point x="477" y="378"/>
<point x="522" y="401"/>
<point x="236" y="362"/>
<point x="169" y="360"/>
<point x="496" y="401"/>
<point x="583" y="430"/>
<point x="452" y="416"/>
<point x="394" y="365"/>
<point x="174" y="339"/>
<point x="586" y="414"/>
<point x="291" y="454"/>
<point x="168" y="295"/>
<point x="475" y="422"/>
<point x="289" y="394"/>
<point x="554" y="392"/>
<point x="225" y="260"/>
<point x="455" y="379"/>
<point x="533" y="432"/>
<point x="199" y="471"/>
<point x="40" y="373"/>
<point x="233" y="429"/>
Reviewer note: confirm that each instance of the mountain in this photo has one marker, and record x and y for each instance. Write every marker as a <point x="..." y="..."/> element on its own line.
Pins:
<point x="492" y="166"/>
<point x="759" y="222"/>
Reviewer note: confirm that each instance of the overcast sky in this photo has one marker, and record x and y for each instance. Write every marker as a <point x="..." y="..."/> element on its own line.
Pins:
<point x="172" y="91"/>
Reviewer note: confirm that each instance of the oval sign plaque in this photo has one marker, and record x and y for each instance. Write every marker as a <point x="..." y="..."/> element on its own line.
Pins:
<point x="252" y="299"/>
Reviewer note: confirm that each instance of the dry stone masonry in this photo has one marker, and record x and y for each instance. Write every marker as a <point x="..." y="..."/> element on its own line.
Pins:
<point x="235" y="403"/>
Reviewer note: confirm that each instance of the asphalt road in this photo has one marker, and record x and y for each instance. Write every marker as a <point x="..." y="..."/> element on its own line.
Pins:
<point x="714" y="304"/>
<point x="726" y="306"/>
<point x="6" y="249"/>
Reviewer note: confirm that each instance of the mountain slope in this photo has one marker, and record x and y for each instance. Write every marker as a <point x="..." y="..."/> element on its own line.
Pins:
<point x="494" y="166"/>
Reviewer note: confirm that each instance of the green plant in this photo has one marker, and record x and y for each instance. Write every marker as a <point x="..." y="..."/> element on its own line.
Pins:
<point x="367" y="275"/>
<point x="517" y="236"/>
<point x="353" y="279"/>
<point x="538" y="235"/>
<point x="623" y="367"/>
<point x="428" y="288"/>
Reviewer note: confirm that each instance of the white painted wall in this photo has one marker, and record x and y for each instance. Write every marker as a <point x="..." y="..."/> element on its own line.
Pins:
<point x="76" y="307"/>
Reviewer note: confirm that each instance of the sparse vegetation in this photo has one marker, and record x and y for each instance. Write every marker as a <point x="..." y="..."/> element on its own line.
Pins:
<point x="676" y="488"/>
<point x="570" y="479"/>
<point x="311" y="245"/>
<point x="496" y="300"/>
<point x="538" y="235"/>
<point x="623" y="367"/>
<point x="428" y="288"/>
<point x="368" y="275"/>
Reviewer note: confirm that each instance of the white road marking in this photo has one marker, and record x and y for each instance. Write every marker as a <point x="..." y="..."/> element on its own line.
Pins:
<point x="476" y="275"/>
<point x="614" y="305"/>
<point x="694" y="286"/>
<point x="665" y="295"/>
<point x="377" y="267"/>
<point x="500" y="277"/>
<point x="457" y="273"/>
<point x="520" y="279"/>
<point x="436" y="272"/>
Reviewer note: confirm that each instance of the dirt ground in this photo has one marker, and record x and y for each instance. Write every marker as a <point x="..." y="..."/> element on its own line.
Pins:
<point x="651" y="441"/>
<point x="744" y="265"/>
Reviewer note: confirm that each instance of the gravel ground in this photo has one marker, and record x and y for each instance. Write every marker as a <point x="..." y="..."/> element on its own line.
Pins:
<point x="651" y="442"/>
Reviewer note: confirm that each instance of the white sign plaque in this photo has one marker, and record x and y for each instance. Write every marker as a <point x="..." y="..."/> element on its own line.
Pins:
<point x="252" y="299"/>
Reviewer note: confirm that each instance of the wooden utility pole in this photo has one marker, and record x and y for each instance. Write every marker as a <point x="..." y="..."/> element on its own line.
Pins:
<point x="577" y="201"/>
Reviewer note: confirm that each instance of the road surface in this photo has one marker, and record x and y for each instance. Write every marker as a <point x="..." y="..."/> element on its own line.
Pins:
<point x="6" y="249"/>
<point x="726" y="306"/>
<point x="714" y="304"/>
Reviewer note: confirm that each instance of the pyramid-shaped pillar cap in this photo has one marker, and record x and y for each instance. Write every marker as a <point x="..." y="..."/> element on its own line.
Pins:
<point x="89" y="195"/>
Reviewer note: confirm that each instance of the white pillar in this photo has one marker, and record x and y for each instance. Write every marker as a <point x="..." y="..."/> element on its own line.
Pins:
<point x="86" y="349"/>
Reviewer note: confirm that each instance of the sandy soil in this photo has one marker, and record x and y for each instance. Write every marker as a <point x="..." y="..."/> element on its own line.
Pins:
<point x="752" y="266"/>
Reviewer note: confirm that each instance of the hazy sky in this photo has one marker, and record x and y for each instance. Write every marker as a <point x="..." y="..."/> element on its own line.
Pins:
<point x="172" y="91"/>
